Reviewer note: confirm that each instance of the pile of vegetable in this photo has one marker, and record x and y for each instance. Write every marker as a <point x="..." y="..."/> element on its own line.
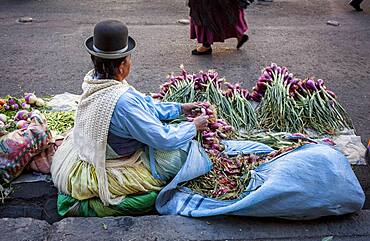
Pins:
<point x="230" y="100"/>
<point x="217" y="129"/>
<point x="291" y="104"/>
<point x="230" y="174"/>
<point x="284" y="105"/>
<point x="284" y="102"/>
<point x="16" y="113"/>
<point x="60" y="122"/>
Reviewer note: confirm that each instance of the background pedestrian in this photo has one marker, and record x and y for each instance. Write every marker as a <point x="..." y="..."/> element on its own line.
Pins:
<point x="216" y="20"/>
<point x="356" y="5"/>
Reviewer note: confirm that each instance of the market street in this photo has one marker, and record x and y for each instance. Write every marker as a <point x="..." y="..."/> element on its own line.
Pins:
<point x="47" y="55"/>
<point x="42" y="43"/>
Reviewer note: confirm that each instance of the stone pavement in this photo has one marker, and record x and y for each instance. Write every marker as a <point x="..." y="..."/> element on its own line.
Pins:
<point x="346" y="228"/>
<point x="38" y="200"/>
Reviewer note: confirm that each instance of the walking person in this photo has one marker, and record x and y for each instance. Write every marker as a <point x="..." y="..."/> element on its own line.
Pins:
<point x="216" y="20"/>
<point x="356" y="5"/>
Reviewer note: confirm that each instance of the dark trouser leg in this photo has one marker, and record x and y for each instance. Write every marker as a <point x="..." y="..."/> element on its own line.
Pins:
<point x="356" y="4"/>
<point x="206" y="45"/>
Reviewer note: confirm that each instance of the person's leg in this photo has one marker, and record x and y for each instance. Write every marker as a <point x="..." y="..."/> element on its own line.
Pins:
<point x="242" y="40"/>
<point x="206" y="45"/>
<point x="204" y="49"/>
<point x="356" y="4"/>
<point x="200" y="34"/>
<point x="241" y="29"/>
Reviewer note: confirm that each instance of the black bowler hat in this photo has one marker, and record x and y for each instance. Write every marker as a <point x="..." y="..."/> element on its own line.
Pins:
<point x="110" y="40"/>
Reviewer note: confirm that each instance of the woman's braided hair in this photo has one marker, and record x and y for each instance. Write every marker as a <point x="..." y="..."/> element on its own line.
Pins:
<point x="106" y="68"/>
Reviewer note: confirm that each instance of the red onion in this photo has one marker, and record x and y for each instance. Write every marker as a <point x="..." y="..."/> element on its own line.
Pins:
<point x="230" y="86"/>
<point x="256" y="96"/>
<point x="14" y="107"/>
<point x="25" y="105"/>
<point x="208" y="134"/>
<point x="11" y="102"/>
<point x="209" y="112"/>
<point x="284" y="70"/>
<point x="319" y="83"/>
<point x="215" y="125"/>
<point x="273" y="66"/>
<point x="157" y="96"/>
<point x="21" y="115"/>
<point x="216" y="147"/>
<point x="30" y="98"/>
<point x="299" y="135"/>
<point x="261" y="86"/>
<point x="227" y="128"/>
<point x="310" y="84"/>
<point x="212" y="152"/>
<point x="278" y="70"/>
<point x="328" y="141"/>
<point x="269" y="71"/>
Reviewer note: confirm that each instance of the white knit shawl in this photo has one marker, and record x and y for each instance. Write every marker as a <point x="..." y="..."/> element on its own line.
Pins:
<point x="91" y="128"/>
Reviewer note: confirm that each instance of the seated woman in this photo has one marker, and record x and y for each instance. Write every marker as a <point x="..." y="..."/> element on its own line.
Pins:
<point x="105" y="165"/>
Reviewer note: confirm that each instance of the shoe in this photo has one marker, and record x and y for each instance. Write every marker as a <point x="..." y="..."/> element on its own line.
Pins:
<point x="242" y="41"/>
<point x="207" y="52"/>
<point x="264" y="2"/>
<point x="356" y="6"/>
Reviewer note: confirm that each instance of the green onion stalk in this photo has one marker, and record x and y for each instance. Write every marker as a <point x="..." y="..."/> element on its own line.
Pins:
<point x="278" y="110"/>
<point x="235" y="107"/>
<point x="320" y="109"/>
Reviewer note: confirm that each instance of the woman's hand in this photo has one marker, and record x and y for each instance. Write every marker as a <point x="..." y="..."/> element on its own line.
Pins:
<point x="201" y="122"/>
<point x="189" y="108"/>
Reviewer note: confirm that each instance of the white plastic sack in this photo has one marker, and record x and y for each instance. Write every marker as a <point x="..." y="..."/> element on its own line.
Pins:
<point x="64" y="102"/>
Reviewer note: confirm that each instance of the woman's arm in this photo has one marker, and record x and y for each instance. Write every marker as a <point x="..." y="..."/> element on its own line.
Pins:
<point x="164" y="110"/>
<point x="146" y="127"/>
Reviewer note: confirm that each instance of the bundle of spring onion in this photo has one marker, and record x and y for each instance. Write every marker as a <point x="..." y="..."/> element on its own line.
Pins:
<point x="230" y="174"/>
<point x="231" y="101"/>
<point x="294" y="105"/>
<point x="278" y="110"/>
<point x="320" y="109"/>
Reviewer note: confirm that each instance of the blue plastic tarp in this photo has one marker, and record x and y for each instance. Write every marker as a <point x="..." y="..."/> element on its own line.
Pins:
<point x="311" y="181"/>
